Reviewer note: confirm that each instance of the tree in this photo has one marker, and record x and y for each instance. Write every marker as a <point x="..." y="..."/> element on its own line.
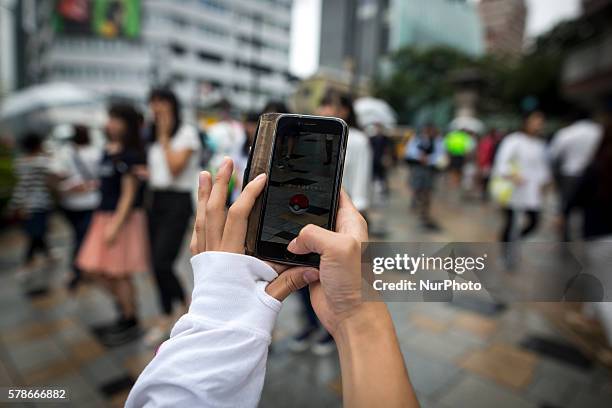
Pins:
<point x="419" y="78"/>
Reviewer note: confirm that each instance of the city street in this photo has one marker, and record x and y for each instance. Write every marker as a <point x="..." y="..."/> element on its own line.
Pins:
<point x="474" y="354"/>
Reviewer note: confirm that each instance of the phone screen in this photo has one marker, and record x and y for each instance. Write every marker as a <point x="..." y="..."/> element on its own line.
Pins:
<point x="303" y="184"/>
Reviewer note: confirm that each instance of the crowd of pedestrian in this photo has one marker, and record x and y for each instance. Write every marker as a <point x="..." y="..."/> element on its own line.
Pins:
<point x="118" y="198"/>
<point x="130" y="201"/>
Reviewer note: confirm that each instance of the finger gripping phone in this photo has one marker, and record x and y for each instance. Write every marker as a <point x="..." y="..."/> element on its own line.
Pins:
<point x="303" y="157"/>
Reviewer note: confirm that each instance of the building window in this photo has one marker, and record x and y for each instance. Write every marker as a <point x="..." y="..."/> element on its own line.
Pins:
<point x="178" y="49"/>
<point x="207" y="56"/>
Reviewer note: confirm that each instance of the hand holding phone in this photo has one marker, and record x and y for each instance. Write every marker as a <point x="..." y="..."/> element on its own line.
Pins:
<point x="216" y="229"/>
<point x="304" y="159"/>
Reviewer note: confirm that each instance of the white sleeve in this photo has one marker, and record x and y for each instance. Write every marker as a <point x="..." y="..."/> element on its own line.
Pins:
<point x="60" y="163"/>
<point x="216" y="355"/>
<point x="555" y="150"/>
<point x="503" y="165"/>
<point x="187" y="138"/>
<point x="360" y="193"/>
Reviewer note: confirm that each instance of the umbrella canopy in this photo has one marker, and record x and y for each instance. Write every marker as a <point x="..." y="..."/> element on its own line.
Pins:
<point x="371" y="111"/>
<point x="45" y="96"/>
<point x="467" y="123"/>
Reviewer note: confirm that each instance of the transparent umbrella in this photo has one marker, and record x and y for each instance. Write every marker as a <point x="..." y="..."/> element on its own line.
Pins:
<point x="472" y="124"/>
<point x="371" y="111"/>
<point x="40" y="97"/>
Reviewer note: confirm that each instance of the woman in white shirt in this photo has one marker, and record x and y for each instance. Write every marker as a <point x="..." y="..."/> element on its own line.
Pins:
<point x="77" y="166"/>
<point x="522" y="159"/>
<point x="173" y="172"/>
<point x="357" y="175"/>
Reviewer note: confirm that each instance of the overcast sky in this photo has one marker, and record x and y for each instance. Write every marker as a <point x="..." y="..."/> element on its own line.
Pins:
<point x="543" y="15"/>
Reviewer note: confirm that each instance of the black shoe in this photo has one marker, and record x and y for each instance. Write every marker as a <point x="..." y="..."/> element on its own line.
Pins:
<point x="73" y="283"/>
<point x="302" y="341"/>
<point x="122" y="332"/>
<point x="430" y="225"/>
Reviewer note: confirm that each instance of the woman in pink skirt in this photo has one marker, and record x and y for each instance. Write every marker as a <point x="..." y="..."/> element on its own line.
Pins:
<point x="116" y="245"/>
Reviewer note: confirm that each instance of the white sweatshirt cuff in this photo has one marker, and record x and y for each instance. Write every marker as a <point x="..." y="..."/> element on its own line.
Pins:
<point x="230" y="290"/>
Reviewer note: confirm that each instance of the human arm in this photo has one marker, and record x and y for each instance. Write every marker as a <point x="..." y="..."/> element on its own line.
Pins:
<point x="222" y="363"/>
<point x="557" y="147"/>
<point x="176" y="157"/>
<point x="373" y="370"/>
<point x="217" y="352"/>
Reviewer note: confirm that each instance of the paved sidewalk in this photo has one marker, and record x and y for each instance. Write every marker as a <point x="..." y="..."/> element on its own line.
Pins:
<point x="474" y="355"/>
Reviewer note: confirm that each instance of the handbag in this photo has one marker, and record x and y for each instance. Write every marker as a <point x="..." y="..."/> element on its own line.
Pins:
<point x="501" y="188"/>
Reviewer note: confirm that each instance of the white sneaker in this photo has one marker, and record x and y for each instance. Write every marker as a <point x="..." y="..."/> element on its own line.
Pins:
<point x="155" y="336"/>
<point x="303" y="340"/>
<point x="324" y="345"/>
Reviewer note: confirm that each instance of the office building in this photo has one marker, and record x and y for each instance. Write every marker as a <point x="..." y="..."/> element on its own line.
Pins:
<point x="207" y="49"/>
<point x="8" y="46"/>
<point x="504" y="25"/>
<point x="452" y="23"/>
<point x="587" y="66"/>
<point x="357" y="34"/>
<point x="354" y="34"/>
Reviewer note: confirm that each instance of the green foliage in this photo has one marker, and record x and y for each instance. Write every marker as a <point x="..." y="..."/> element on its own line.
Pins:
<point x="418" y="79"/>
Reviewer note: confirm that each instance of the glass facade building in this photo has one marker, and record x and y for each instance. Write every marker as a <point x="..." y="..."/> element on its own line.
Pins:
<point x="207" y="49"/>
<point x="453" y="23"/>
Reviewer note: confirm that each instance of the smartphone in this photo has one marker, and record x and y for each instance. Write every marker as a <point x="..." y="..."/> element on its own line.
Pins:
<point x="305" y="164"/>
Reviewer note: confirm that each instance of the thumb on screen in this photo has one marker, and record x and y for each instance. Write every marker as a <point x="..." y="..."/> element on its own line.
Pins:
<point x="311" y="239"/>
<point x="290" y="281"/>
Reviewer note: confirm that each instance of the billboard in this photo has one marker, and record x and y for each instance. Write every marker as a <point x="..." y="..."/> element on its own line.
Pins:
<point x="100" y="18"/>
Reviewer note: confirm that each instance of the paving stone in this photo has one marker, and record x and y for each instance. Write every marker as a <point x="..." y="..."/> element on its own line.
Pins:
<point x="85" y="350"/>
<point x="303" y="379"/>
<point x="73" y="334"/>
<point x="434" y="345"/>
<point x="422" y="322"/>
<point x="48" y="372"/>
<point x="12" y="317"/>
<point x="474" y="392"/>
<point x="75" y="385"/>
<point x="551" y="391"/>
<point x="297" y="391"/>
<point x="36" y="330"/>
<point x="428" y="375"/>
<point x="502" y="363"/>
<point x="559" y="350"/>
<point x="479" y="325"/>
<point x="103" y="370"/>
<point x="591" y="399"/>
<point x="34" y="354"/>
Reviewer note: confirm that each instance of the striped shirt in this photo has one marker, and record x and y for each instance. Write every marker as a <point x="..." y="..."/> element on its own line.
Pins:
<point x="32" y="193"/>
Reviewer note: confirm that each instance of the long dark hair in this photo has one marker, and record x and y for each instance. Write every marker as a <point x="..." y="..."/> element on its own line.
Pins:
<point x="32" y="142"/>
<point x="344" y="100"/>
<point x="166" y="95"/>
<point x="275" y="106"/>
<point x="131" y="140"/>
<point x="80" y="136"/>
<point x="250" y="117"/>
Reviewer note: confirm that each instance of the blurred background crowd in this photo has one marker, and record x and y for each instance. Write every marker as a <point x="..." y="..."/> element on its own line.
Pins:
<point x="458" y="112"/>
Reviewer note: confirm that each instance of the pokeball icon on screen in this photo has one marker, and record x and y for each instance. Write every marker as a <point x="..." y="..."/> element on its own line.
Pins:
<point x="298" y="204"/>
